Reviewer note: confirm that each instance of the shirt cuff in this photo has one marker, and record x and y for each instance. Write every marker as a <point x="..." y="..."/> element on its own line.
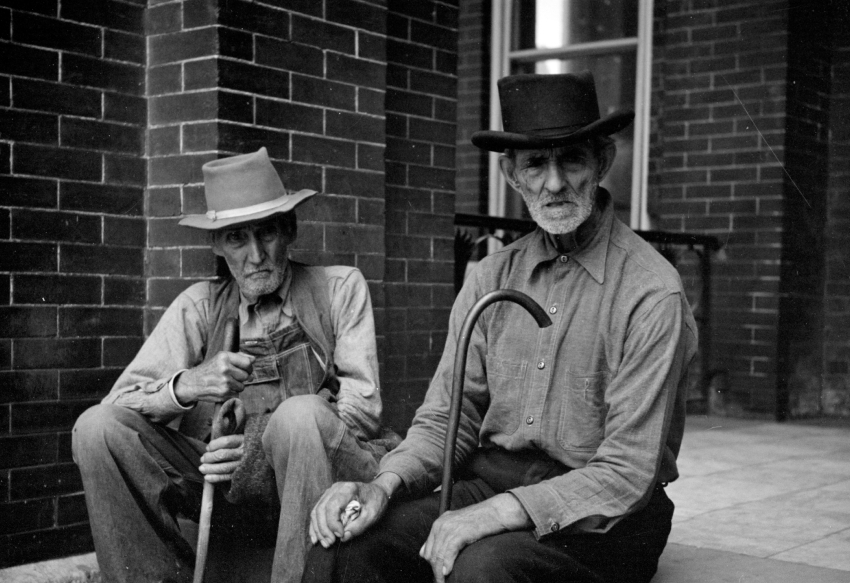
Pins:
<point x="173" y="396"/>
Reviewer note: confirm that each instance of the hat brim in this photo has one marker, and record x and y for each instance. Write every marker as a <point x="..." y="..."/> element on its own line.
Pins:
<point x="284" y="204"/>
<point x="495" y="141"/>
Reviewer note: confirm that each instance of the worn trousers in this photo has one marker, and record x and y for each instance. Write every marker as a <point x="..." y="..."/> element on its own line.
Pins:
<point x="389" y="551"/>
<point x="139" y="476"/>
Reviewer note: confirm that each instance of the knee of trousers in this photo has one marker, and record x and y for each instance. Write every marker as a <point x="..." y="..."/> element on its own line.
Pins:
<point x="100" y="430"/>
<point x="300" y="417"/>
<point x="483" y="561"/>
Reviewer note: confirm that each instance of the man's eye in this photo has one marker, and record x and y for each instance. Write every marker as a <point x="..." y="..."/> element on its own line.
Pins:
<point x="268" y="234"/>
<point x="233" y="238"/>
<point x="573" y="159"/>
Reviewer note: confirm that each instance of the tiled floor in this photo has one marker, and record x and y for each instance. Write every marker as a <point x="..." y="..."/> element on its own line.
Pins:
<point x="778" y="491"/>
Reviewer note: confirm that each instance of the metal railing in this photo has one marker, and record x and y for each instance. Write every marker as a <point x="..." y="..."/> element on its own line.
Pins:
<point x="507" y="230"/>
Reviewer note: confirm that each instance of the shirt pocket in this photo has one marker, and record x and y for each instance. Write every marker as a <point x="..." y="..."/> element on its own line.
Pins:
<point x="583" y="411"/>
<point x="504" y="380"/>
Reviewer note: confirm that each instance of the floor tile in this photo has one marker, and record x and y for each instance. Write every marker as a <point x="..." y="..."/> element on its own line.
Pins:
<point x="832" y="551"/>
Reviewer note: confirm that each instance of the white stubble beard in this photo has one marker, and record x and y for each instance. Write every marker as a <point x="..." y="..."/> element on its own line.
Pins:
<point x="566" y="219"/>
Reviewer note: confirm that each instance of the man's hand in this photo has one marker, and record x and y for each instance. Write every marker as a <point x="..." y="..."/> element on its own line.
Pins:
<point x="325" y="520"/>
<point x="222" y="457"/>
<point x="215" y="380"/>
<point x="456" y="529"/>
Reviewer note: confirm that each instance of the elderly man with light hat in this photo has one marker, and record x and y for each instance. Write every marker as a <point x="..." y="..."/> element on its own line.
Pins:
<point x="568" y="433"/>
<point x="306" y="371"/>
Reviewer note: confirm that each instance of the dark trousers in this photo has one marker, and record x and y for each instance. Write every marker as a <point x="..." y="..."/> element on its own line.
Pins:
<point x="389" y="552"/>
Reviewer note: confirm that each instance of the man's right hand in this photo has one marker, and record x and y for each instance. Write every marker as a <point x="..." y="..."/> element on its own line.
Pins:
<point x="325" y="520"/>
<point x="216" y="380"/>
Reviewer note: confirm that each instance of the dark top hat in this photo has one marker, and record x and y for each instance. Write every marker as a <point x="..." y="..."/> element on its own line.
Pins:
<point x="546" y="111"/>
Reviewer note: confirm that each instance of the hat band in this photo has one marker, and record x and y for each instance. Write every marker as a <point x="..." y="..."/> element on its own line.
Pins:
<point x="556" y="130"/>
<point x="244" y="211"/>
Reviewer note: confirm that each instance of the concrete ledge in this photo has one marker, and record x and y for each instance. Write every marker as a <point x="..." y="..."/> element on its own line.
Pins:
<point x="76" y="569"/>
<point x="679" y="564"/>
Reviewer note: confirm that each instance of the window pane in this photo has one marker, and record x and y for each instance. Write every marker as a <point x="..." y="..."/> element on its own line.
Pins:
<point x="615" y="89"/>
<point x="549" y="24"/>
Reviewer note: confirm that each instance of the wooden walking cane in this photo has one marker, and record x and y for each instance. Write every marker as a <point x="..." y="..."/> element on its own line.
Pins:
<point x="227" y="419"/>
<point x="509" y="295"/>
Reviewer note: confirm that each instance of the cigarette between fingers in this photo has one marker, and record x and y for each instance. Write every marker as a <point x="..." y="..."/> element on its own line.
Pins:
<point x="350" y="514"/>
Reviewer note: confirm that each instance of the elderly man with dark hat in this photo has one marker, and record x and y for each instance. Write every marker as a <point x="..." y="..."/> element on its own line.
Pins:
<point x="569" y="433"/>
<point x="306" y="371"/>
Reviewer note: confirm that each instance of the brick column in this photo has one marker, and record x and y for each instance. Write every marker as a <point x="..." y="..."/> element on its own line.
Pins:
<point x="72" y="238"/>
<point x="473" y="105"/>
<point x="835" y="397"/>
<point x="420" y="162"/>
<point x="800" y="340"/>
<point x="305" y="80"/>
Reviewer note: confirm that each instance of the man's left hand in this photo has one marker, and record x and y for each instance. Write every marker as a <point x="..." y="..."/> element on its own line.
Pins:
<point x="222" y="458"/>
<point x="456" y="529"/>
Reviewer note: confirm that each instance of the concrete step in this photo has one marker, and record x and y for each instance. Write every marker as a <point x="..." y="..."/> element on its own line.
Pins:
<point x="76" y="569"/>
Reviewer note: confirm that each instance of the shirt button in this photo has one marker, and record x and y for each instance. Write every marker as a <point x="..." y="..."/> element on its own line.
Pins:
<point x="529" y="419"/>
<point x="541" y="365"/>
<point x="554" y="527"/>
<point x="553" y="309"/>
<point x="563" y="258"/>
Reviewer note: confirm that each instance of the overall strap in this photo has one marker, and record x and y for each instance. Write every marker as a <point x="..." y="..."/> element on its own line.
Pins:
<point x="312" y="307"/>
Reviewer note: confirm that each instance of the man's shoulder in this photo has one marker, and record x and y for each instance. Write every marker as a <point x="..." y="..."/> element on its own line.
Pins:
<point x="337" y="276"/>
<point x="507" y="253"/>
<point x="339" y="271"/>
<point x="200" y="291"/>
<point x="642" y="260"/>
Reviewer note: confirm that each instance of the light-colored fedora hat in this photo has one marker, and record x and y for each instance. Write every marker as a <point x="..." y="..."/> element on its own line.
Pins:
<point x="243" y="189"/>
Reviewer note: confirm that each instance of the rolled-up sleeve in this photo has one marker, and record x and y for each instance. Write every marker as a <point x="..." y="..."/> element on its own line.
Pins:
<point x="175" y="344"/>
<point x="355" y="353"/>
<point x="640" y="399"/>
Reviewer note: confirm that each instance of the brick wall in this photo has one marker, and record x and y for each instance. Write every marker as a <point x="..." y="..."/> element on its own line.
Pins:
<point x="718" y="146"/>
<point x="108" y="109"/>
<point x="72" y="237"/>
<point x="420" y="164"/>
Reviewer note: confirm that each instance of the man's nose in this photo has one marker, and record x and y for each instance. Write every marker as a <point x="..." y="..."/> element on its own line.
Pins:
<point x="256" y="251"/>
<point x="555" y="179"/>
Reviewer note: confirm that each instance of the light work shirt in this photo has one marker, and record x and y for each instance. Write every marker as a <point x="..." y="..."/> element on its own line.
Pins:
<point x="179" y="340"/>
<point x="602" y="390"/>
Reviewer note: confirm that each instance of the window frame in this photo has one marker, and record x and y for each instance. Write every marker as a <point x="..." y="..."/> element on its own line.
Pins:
<point x="501" y="58"/>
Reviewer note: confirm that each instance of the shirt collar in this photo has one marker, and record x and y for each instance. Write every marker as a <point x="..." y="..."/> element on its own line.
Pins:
<point x="590" y="243"/>
<point x="280" y="295"/>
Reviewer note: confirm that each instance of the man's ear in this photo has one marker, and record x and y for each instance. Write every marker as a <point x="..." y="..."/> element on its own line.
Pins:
<point x="508" y="167"/>
<point x="606" y="159"/>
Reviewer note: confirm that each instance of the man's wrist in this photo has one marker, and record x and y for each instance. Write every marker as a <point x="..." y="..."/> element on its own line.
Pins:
<point x="510" y="511"/>
<point x="388" y="483"/>
<point x="173" y="388"/>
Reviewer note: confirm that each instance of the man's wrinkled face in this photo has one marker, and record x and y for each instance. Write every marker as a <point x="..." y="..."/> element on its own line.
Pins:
<point x="255" y="254"/>
<point x="557" y="184"/>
